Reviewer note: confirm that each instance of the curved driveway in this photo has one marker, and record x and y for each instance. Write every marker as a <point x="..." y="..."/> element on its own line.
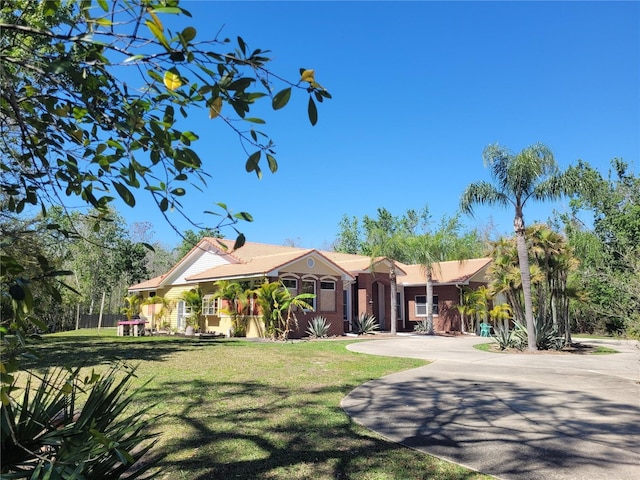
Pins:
<point x="524" y="417"/>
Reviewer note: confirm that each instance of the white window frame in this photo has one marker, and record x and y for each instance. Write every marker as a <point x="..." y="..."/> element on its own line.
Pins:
<point x="423" y="304"/>
<point x="310" y="301"/>
<point x="182" y="314"/>
<point x="210" y="305"/>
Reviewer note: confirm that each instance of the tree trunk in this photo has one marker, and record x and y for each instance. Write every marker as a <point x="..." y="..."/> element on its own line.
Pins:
<point x="430" y="330"/>
<point x="523" y="260"/>
<point x="393" y="286"/>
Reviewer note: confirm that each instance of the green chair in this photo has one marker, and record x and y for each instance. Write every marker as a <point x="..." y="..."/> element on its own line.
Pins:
<point x="485" y="330"/>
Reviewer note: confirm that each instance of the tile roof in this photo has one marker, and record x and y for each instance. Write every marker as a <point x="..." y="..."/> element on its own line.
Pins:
<point x="455" y="271"/>
<point x="258" y="259"/>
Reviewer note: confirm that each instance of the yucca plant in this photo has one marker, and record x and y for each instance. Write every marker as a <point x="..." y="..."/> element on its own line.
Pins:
<point x="422" y="327"/>
<point x="365" y="324"/>
<point x="504" y="337"/>
<point x="318" y="327"/>
<point x="547" y="336"/>
<point x="48" y="433"/>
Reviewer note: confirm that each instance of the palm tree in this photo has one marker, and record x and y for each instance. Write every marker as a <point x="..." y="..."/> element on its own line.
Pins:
<point x="278" y="306"/>
<point x="238" y="298"/>
<point x="429" y="249"/>
<point x="426" y="252"/>
<point x="530" y="174"/>
<point x="389" y="245"/>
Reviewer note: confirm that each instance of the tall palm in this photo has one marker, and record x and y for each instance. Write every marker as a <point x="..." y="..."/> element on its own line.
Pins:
<point x="385" y="243"/>
<point x="427" y="250"/>
<point x="530" y="174"/>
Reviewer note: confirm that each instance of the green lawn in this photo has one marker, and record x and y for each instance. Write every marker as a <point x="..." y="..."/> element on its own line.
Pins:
<point x="255" y="410"/>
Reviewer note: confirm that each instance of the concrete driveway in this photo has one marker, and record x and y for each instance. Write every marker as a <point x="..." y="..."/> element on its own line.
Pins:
<point x="515" y="416"/>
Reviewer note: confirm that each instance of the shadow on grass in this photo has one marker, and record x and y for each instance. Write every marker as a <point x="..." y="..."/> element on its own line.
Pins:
<point x="252" y="430"/>
<point x="92" y="351"/>
<point x="239" y="422"/>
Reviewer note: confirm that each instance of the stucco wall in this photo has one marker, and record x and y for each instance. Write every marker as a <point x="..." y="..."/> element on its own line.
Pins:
<point x="448" y="318"/>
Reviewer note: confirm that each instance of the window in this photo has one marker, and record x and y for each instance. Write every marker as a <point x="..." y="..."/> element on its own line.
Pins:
<point x="328" y="296"/>
<point x="398" y="306"/>
<point x="345" y="305"/>
<point x="309" y="286"/>
<point x="291" y="284"/>
<point x="421" y="305"/>
<point x="210" y="305"/>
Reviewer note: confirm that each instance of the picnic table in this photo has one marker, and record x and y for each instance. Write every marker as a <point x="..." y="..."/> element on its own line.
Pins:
<point x="131" y="327"/>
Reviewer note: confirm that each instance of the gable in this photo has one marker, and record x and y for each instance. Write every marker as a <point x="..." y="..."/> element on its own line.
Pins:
<point x="313" y="264"/>
<point x="197" y="261"/>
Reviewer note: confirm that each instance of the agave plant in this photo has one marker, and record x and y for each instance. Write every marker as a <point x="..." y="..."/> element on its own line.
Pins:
<point x="47" y="433"/>
<point x="318" y="327"/>
<point x="365" y="324"/>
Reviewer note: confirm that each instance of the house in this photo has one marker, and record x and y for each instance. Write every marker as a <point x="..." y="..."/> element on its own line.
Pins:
<point x="344" y="285"/>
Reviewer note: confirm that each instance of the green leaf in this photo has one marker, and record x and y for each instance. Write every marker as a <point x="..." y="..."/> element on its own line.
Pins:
<point x="281" y="98"/>
<point x="313" y="111"/>
<point x="125" y="194"/>
<point x="252" y="161"/>
<point x="157" y="33"/>
<point x="240" y="241"/>
<point x="103" y="5"/>
<point x="273" y="164"/>
<point x="164" y="204"/>
<point x="189" y="33"/>
<point x="243" y="46"/>
<point x="255" y="120"/>
<point x="244" y="216"/>
<point x="172" y="10"/>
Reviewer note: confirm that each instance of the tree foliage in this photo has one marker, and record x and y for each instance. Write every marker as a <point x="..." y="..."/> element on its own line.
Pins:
<point x="94" y="98"/>
<point x="608" y="245"/>
<point x="94" y="102"/>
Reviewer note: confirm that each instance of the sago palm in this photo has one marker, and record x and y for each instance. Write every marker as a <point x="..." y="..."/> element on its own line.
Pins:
<point x="530" y="174"/>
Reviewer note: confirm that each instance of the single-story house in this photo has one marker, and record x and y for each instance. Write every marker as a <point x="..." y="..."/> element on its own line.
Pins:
<point x="344" y="285"/>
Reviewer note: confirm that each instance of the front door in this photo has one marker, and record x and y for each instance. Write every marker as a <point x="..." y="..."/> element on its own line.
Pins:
<point x="381" y="307"/>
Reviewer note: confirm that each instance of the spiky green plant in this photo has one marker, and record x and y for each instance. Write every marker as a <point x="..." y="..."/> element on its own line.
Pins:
<point x="547" y="336"/>
<point x="422" y="327"/>
<point x="318" y="327"/>
<point x="504" y="337"/>
<point x="365" y="324"/>
<point x="48" y="432"/>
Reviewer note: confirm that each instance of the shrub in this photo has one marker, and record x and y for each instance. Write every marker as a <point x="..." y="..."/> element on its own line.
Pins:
<point x="365" y="324"/>
<point x="47" y="434"/>
<point x="318" y="327"/>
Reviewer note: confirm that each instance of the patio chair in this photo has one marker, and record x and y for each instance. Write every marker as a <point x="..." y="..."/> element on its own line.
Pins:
<point x="485" y="330"/>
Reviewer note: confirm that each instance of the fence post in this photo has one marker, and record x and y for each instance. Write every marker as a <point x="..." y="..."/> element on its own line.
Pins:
<point x="104" y="294"/>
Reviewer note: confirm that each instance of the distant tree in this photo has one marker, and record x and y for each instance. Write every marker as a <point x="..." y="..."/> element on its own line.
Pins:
<point x="349" y="238"/>
<point x="190" y="239"/>
<point x="608" y="247"/>
<point x="530" y="174"/>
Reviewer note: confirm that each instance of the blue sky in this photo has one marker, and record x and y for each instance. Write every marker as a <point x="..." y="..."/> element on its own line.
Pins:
<point x="419" y="89"/>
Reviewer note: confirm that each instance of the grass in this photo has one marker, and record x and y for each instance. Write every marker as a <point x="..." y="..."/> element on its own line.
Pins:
<point x="255" y="410"/>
